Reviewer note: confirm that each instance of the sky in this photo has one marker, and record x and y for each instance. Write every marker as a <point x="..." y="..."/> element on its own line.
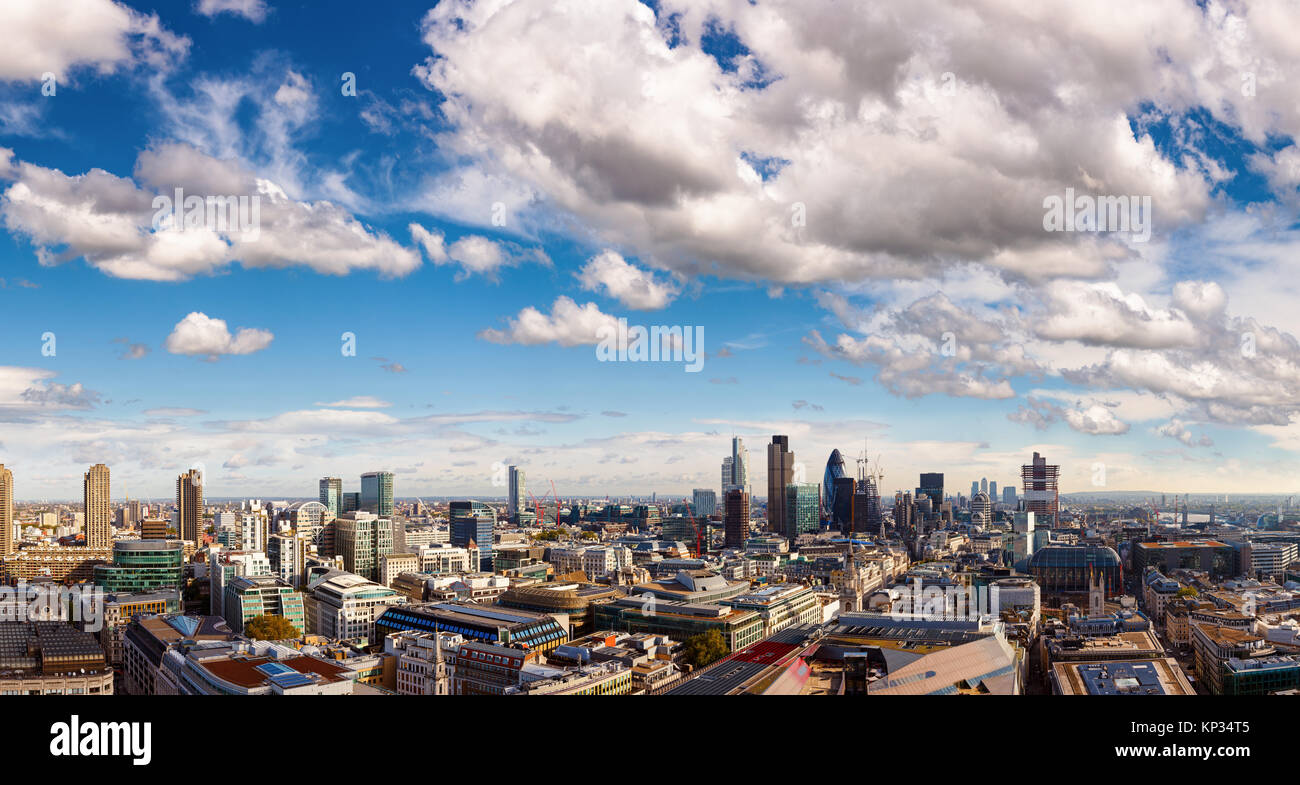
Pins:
<point x="850" y="206"/>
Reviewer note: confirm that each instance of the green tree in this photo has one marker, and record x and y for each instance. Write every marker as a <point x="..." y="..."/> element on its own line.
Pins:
<point x="1188" y="591"/>
<point x="705" y="648"/>
<point x="270" y="628"/>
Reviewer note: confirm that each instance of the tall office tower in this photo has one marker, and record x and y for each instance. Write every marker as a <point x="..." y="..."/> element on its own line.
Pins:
<point x="867" y="515"/>
<point x="932" y="486"/>
<point x="1009" y="496"/>
<point x="473" y="522"/>
<point x="841" y="511"/>
<point x="518" y="489"/>
<point x="735" y="518"/>
<point x="802" y="509"/>
<point x="981" y="509"/>
<point x="189" y="506"/>
<point x="834" y="472"/>
<point x="904" y="512"/>
<point x="1022" y="547"/>
<point x="377" y="493"/>
<point x="361" y="538"/>
<point x="99" y="513"/>
<point x="993" y="491"/>
<point x="351" y="502"/>
<point x="134" y="507"/>
<point x="6" y="511"/>
<point x="974" y="488"/>
<point x="1040" y="485"/>
<point x="984" y="485"/>
<point x="704" y="502"/>
<point x="735" y="467"/>
<point x="331" y="495"/>
<point x="780" y="473"/>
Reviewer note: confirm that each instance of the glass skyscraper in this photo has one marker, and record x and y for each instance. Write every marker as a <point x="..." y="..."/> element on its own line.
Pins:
<point x="802" y="508"/>
<point x="474" y="521"/>
<point x="377" y="493"/>
<point x="331" y="495"/>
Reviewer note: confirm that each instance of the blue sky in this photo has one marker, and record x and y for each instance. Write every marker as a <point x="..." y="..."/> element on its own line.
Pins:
<point x="648" y="161"/>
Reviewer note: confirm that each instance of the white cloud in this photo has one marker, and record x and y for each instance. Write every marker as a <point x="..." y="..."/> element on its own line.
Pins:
<point x="357" y="402"/>
<point x="253" y="10"/>
<point x="568" y="324"/>
<point x="59" y="36"/>
<point x="630" y="285"/>
<point x="200" y="334"/>
<point x="110" y="221"/>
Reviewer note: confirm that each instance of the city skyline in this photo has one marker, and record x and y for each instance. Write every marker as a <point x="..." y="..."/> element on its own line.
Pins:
<point x="874" y="250"/>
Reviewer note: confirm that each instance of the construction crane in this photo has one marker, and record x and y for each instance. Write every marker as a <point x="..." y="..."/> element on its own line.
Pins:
<point x="541" y="512"/>
<point x="698" y="553"/>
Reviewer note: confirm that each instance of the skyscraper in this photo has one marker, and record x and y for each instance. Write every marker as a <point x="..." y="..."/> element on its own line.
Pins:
<point x="99" y="515"/>
<point x="803" y="509"/>
<point x="331" y="495"/>
<point x="189" y="506"/>
<point x="473" y="522"/>
<point x="517" y="491"/>
<point x="932" y="486"/>
<point x="377" y="493"/>
<point x="6" y="511"/>
<point x="993" y="491"/>
<point x="735" y="467"/>
<point x="780" y="473"/>
<point x="834" y="472"/>
<point x="704" y="502"/>
<point x="1040" y="486"/>
<point x="735" y="520"/>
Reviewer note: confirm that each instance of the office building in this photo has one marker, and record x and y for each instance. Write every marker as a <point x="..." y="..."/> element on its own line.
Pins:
<point x="1042" y="496"/>
<point x="51" y="658"/>
<point x="803" y="509"/>
<point x="780" y="473"/>
<point x="735" y="522"/>
<point x="189" y="506"/>
<point x="932" y="486"/>
<point x="1212" y="556"/>
<point x="377" y="493"/>
<point x="704" y="502"/>
<point x="343" y="606"/>
<point x="142" y="566"/>
<point x="361" y="538"/>
<point x="331" y="495"/>
<point x="250" y="596"/>
<point x="517" y="500"/>
<point x="735" y="468"/>
<point x="98" y="508"/>
<point x="8" y="537"/>
<point x="472" y="523"/>
<point x="537" y="632"/>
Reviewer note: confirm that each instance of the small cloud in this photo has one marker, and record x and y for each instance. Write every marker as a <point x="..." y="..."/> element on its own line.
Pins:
<point x="254" y="11"/>
<point x="356" y="402"/>
<point x="173" y="411"/>
<point x="801" y="404"/>
<point x="133" y="351"/>
<point x="612" y="413"/>
<point x="72" y="396"/>
<point x="200" y="335"/>
<point x="853" y="380"/>
<point x="728" y="380"/>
